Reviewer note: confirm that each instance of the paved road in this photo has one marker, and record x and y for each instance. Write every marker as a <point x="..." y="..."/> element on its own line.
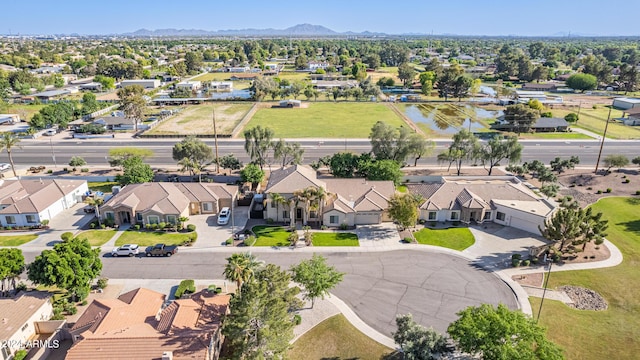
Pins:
<point x="378" y="285"/>
<point x="39" y="152"/>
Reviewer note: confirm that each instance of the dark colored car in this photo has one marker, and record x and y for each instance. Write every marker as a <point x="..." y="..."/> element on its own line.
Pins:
<point x="161" y="250"/>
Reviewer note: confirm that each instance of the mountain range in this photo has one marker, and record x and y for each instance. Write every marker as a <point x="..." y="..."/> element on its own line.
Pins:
<point x="296" y="30"/>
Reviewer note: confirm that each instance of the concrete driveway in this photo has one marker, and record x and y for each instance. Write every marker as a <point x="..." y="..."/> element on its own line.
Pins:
<point x="210" y="234"/>
<point x="377" y="235"/>
<point x="496" y="243"/>
<point x="71" y="219"/>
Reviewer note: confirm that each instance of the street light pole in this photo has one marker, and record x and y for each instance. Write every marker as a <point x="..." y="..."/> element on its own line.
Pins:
<point x="53" y="154"/>
<point x="544" y="292"/>
<point x="604" y="135"/>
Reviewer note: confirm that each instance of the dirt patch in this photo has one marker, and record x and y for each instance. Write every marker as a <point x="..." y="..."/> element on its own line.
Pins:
<point x="591" y="253"/>
<point x="198" y="119"/>
<point x="584" y="299"/>
<point x="529" y="279"/>
<point x="584" y="185"/>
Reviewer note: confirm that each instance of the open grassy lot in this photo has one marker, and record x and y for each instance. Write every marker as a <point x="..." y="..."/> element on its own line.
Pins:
<point x="148" y="238"/>
<point x="335" y="338"/>
<point x="97" y="237"/>
<point x="104" y="186"/>
<point x="271" y="235"/>
<point x="294" y="76"/>
<point x="335" y="239"/>
<point x="25" y="111"/>
<point x="198" y="119"/>
<point x="326" y="119"/>
<point x="614" y="333"/>
<point x="388" y="72"/>
<point x="223" y="76"/>
<point x="16" y="240"/>
<point x="452" y="238"/>
<point x="557" y="135"/>
<point x="596" y="119"/>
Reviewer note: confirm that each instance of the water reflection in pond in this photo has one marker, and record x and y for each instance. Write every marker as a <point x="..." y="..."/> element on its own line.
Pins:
<point x="450" y="118"/>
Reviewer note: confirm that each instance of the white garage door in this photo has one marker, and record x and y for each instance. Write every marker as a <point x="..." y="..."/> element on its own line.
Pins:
<point x="525" y="225"/>
<point x="367" y="218"/>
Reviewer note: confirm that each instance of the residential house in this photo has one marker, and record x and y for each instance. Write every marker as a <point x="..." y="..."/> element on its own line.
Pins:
<point x="221" y="86"/>
<point x="238" y="69"/>
<point x="29" y="202"/>
<point x="137" y="325"/>
<point x="20" y="315"/>
<point x="545" y="124"/>
<point x="315" y="65"/>
<point x="116" y="123"/>
<point x="245" y="77"/>
<point x="145" y="83"/>
<point x="49" y="95"/>
<point x="626" y="103"/>
<point x="503" y="200"/>
<point x="329" y="201"/>
<point x="153" y="203"/>
<point x="190" y="85"/>
<point x="92" y="86"/>
<point x="632" y="119"/>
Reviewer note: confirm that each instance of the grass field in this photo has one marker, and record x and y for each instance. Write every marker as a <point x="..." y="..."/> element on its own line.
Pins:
<point x="271" y="235"/>
<point x="144" y="238"/>
<point x="198" y="119"/>
<point x="452" y="238"/>
<point x="326" y="119"/>
<point x="335" y="239"/>
<point x="558" y="135"/>
<point x="614" y="333"/>
<point x="104" y="186"/>
<point x="223" y="76"/>
<point x="336" y="339"/>
<point x="97" y="237"/>
<point x="25" y="111"/>
<point x="16" y="240"/>
<point x="294" y="76"/>
<point x="596" y="119"/>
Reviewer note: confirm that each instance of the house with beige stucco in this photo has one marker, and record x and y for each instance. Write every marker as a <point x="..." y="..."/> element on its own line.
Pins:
<point x="297" y="195"/>
<point x="153" y="203"/>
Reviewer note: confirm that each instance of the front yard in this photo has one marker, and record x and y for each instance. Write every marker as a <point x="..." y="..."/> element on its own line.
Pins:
<point x="16" y="240"/>
<point x="97" y="237"/>
<point x="613" y="333"/>
<point x="148" y="238"/>
<point x="278" y="236"/>
<point x="335" y="239"/>
<point x="452" y="238"/>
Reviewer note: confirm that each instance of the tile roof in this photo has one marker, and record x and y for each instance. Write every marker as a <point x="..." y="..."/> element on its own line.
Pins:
<point x="15" y="311"/>
<point x="167" y="197"/>
<point x="34" y="196"/>
<point x="292" y="178"/>
<point x="133" y="327"/>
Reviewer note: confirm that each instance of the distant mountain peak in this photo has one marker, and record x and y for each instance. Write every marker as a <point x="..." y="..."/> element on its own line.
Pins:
<point x="296" y="30"/>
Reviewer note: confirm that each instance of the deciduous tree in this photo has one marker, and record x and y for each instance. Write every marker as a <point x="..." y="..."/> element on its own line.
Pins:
<point x="288" y="153"/>
<point x="316" y="276"/>
<point x="403" y="208"/>
<point x="253" y="174"/>
<point x="406" y="73"/>
<point x="417" y="342"/>
<point x="497" y="149"/>
<point x="117" y="156"/>
<point x="135" y="171"/>
<point x="520" y="117"/>
<point x="464" y="147"/>
<point x="133" y="103"/>
<point x="11" y="266"/>
<point x="195" y="150"/>
<point x="615" y="160"/>
<point x="582" y="82"/>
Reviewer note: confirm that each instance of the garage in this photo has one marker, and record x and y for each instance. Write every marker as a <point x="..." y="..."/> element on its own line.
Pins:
<point x="367" y="218"/>
<point x="525" y="225"/>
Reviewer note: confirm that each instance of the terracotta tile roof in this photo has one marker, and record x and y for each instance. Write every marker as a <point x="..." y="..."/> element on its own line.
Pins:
<point x="15" y="311"/>
<point x="33" y="196"/>
<point x="133" y="327"/>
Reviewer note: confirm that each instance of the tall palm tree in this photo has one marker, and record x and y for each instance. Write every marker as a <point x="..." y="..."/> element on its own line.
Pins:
<point x="9" y="141"/>
<point x="320" y="195"/>
<point x="96" y="202"/>
<point x="277" y="199"/>
<point x="240" y="268"/>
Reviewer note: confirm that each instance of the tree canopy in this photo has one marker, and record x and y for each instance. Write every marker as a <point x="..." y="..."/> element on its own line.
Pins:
<point x="316" y="276"/>
<point x="573" y="225"/>
<point x="500" y="333"/>
<point x="497" y="149"/>
<point x="257" y="142"/>
<point x="194" y="150"/>
<point x="464" y="147"/>
<point x="582" y="82"/>
<point x="253" y="174"/>
<point x="403" y="208"/>
<point x="417" y="342"/>
<point x="135" y="171"/>
<point x="11" y="266"/>
<point x="397" y="144"/>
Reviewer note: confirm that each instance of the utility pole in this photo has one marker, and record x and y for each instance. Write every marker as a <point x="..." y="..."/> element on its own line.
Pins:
<point x="579" y="107"/>
<point x="544" y="292"/>
<point x="215" y="140"/>
<point x="53" y="155"/>
<point x="604" y="135"/>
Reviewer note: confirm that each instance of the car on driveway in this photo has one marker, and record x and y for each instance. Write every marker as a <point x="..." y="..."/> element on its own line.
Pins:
<point x="50" y="132"/>
<point x="223" y="216"/>
<point x="161" y="250"/>
<point x="126" y="250"/>
<point x="5" y="167"/>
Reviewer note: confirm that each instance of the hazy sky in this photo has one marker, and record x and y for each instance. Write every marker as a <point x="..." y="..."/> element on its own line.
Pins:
<point x="464" y="17"/>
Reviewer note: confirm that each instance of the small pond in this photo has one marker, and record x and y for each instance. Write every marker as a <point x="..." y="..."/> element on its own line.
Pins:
<point x="450" y="118"/>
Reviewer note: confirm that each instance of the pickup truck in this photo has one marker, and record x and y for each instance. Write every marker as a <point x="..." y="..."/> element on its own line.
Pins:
<point x="161" y="250"/>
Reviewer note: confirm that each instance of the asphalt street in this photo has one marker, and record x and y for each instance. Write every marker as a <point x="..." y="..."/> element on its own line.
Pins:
<point x="40" y="152"/>
<point x="377" y="285"/>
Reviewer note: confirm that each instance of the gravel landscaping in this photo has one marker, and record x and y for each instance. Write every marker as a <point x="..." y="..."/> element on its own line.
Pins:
<point x="585" y="299"/>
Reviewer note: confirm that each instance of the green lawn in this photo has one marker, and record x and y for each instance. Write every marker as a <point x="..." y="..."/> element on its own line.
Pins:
<point x="16" y="240"/>
<point x="557" y="135"/>
<point x="335" y="239"/>
<point x="595" y="120"/>
<point x="144" y="238"/>
<point x="452" y="238"/>
<point x="104" y="186"/>
<point x="97" y="237"/>
<point x="336" y="339"/>
<point x="271" y="235"/>
<point x="25" y="111"/>
<point x="325" y="120"/>
<point x="614" y="333"/>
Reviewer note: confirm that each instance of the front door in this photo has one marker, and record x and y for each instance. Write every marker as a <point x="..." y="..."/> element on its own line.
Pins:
<point x="298" y="214"/>
<point x="472" y="216"/>
<point x="125" y="218"/>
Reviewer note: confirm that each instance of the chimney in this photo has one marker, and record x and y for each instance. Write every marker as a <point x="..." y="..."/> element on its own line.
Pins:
<point x="167" y="355"/>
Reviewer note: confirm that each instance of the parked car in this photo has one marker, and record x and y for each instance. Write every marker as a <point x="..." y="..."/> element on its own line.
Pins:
<point x="50" y="132"/>
<point x="223" y="216"/>
<point x="89" y="210"/>
<point x="5" y="167"/>
<point x="126" y="250"/>
<point x="161" y="250"/>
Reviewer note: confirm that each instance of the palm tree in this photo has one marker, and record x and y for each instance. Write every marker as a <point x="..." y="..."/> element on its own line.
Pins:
<point x="277" y="199"/>
<point x="193" y="167"/>
<point x="240" y="268"/>
<point x="8" y="141"/>
<point x="96" y="202"/>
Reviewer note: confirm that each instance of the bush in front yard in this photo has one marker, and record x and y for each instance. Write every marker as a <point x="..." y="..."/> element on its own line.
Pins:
<point x="191" y="228"/>
<point x="66" y="236"/>
<point x="185" y="287"/>
<point x="102" y="283"/>
<point x="250" y="241"/>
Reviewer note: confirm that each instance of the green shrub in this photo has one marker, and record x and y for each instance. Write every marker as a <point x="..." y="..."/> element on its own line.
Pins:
<point x="626" y="181"/>
<point x="20" y="354"/>
<point x="185" y="287"/>
<point x="297" y="319"/>
<point x="66" y="236"/>
<point x="84" y="303"/>
<point x="526" y="263"/>
<point x="407" y="240"/>
<point x="269" y="221"/>
<point x="599" y="192"/>
<point x="599" y="241"/>
<point x="515" y="262"/>
<point x="21" y="286"/>
<point x="162" y="225"/>
<point x="136" y="226"/>
<point x="324" y="227"/>
<point x="191" y="227"/>
<point x="103" y="226"/>
<point x="516" y="257"/>
<point x="344" y="226"/>
<point x="637" y="192"/>
<point x="49" y="171"/>
<point x="84" y="170"/>
<point x="92" y="225"/>
<point x="608" y="190"/>
<point x="229" y="241"/>
<point x="250" y="241"/>
<point x="102" y="283"/>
